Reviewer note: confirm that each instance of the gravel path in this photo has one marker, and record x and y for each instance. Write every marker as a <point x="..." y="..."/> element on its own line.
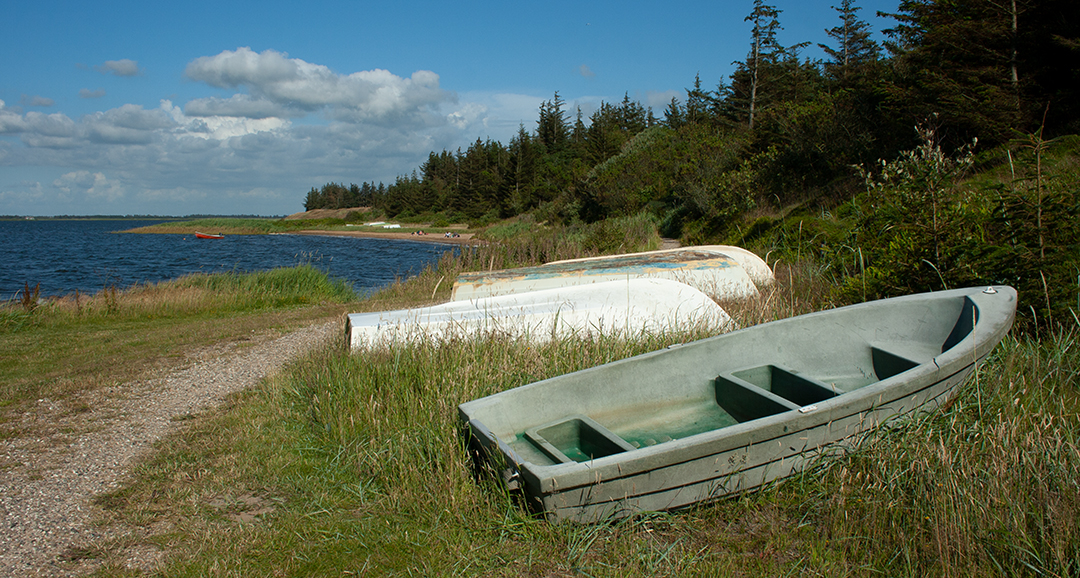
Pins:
<point x="47" y="481"/>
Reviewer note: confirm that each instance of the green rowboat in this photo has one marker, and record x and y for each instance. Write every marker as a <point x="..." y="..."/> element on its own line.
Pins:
<point x="691" y="423"/>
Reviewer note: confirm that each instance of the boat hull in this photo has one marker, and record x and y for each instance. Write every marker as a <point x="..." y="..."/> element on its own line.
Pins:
<point x="711" y="272"/>
<point x="756" y="268"/>
<point x="677" y="427"/>
<point x="615" y="308"/>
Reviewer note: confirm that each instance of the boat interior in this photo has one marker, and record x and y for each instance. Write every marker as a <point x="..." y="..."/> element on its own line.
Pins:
<point x="737" y="396"/>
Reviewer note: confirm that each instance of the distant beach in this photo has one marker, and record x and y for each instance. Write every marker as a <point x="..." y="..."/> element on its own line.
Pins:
<point x="461" y="239"/>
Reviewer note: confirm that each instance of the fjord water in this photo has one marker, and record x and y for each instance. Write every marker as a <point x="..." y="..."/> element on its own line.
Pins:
<point x="65" y="256"/>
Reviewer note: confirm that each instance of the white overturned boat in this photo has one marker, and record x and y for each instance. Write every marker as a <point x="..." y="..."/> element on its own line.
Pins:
<point x="614" y="308"/>
<point x="711" y="272"/>
<point x="688" y="424"/>
<point x="756" y="268"/>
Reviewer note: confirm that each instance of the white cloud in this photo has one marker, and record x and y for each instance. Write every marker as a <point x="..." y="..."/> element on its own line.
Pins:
<point x="221" y="127"/>
<point x="122" y="67"/>
<point x="10" y="121"/>
<point x="281" y="126"/>
<point x="55" y="124"/>
<point x="129" y="124"/>
<point x="87" y="93"/>
<point x="78" y="184"/>
<point x="238" y="105"/>
<point x="586" y="72"/>
<point x="135" y="117"/>
<point x="54" y="131"/>
<point x="290" y="83"/>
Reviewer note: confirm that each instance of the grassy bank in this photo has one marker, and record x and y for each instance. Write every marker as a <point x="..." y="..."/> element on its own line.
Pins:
<point x="227" y="226"/>
<point x="62" y="348"/>
<point x="351" y="465"/>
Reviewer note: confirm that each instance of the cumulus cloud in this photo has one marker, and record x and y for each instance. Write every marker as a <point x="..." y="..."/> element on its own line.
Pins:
<point x="129" y="124"/>
<point x="220" y="126"/>
<point x="55" y="130"/>
<point x="87" y="93"/>
<point x="10" y="121"/>
<point x="88" y="184"/>
<point x="280" y="126"/>
<point x="586" y="72"/>
<point x="296" y="87"/>
<point x="122" y="67"/>
<point x="238" y="105"/>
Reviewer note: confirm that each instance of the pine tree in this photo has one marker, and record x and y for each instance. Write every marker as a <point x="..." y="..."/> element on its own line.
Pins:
<point x="854" y="46"/>
<point x="674" y="114"/>
<point x="521" y="170"/>
<point x="313" y="200"/>
<point x="985" y="67"/>
<point x="553" y="129"/>
<point x="697" y="103"/>
<point x="763" y="48"/>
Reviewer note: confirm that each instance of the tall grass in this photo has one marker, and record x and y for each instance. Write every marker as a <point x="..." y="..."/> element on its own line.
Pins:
<point x="524" y="243"/>
<point x="198" y="293"/>
<point x="992" y="485"/>
<point x="64" y="347"/>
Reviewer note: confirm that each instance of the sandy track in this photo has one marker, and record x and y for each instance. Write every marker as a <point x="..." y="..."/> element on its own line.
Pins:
<point x="47" y="481"/>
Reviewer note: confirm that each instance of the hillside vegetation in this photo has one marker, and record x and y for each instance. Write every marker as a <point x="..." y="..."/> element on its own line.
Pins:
<point x="941" y="158"/>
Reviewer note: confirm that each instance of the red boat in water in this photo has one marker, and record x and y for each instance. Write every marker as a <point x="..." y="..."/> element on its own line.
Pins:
<point x="199" y="235"/>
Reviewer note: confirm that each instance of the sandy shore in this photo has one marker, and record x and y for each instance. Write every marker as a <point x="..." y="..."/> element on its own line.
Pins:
<point x="462" y="239"/>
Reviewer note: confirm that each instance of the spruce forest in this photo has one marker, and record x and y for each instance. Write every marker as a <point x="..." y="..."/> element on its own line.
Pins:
<point x="944" y="157"/>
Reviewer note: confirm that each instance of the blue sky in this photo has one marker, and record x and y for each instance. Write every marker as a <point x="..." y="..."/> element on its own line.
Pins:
<point x="241" y="107"/>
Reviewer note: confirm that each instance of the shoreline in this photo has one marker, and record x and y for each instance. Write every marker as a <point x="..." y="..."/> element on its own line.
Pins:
<point x="463" y="239"/>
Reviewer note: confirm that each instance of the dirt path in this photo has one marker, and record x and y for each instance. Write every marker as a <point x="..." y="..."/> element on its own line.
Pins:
<point x="47" y="481"/>
<point x="666" y="243"/>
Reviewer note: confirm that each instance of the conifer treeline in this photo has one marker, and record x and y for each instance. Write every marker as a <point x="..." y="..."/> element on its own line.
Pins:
<point x="782" y="127"/>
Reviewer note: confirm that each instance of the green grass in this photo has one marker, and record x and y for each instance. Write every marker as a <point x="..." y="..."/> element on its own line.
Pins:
<point x="68" y="346"/>
<point x="990" y="486"/>
<point x="227" y="226"/>
<point x="351" y="464"/>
